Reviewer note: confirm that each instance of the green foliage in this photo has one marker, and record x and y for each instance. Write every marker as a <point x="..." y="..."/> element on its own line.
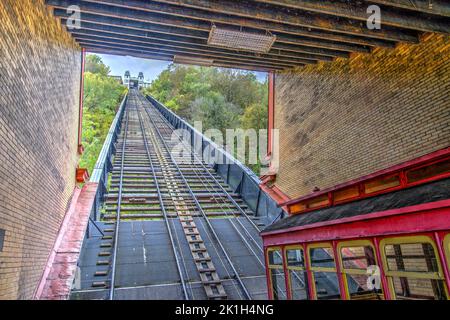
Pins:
<point x="215" y="112"/>
<point x="102" y="96"/>
<point x="199" y="93"/>
<point x="94" y="64"/>
<point x="221" y="98"/>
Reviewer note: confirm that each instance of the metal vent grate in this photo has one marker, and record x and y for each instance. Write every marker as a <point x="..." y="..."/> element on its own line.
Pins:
<point x="193" y="60"/>
<point x="241" y="40"/>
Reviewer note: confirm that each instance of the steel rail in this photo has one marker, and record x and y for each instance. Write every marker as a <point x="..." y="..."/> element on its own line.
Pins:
<point x="166" y="219"/>
<point x="217" y="182"/>
<point x="224" y="204"/>
<point x="119" y="204"/>
<point x="226" y="193"/>
<point x="243" y="227"/>
<point x="210" y="288"/>
<point x="199" y="207"/>
<point x="233" y="201"/>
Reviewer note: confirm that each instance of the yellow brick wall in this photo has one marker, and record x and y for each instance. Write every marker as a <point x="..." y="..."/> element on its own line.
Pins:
<point x="39" y="98"/>
<point x="348" y="118"/>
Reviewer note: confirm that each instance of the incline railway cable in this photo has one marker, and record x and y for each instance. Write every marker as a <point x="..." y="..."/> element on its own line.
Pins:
<point x="229" y="196"/>
<point x="196" y="201"/>
<point x="163" y="209"/>
<point x="199" y="207"/>
<point x="223" y="203"/>
<point x="251" y="249"/>
<point x="218" y="183"/>
<point x="203" y="180"/>
<point x="210" y="279"/>
<point x="119" y="204"/>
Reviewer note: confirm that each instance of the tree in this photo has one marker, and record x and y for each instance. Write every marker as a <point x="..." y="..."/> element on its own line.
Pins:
<point x="94" y="64"/>
<point x="102" y="96"/>
<point x="215" y="112"/>
<point x="221" y="98"/>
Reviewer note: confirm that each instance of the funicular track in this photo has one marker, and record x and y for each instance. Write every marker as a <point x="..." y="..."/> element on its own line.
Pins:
<point x="210" y="235"/>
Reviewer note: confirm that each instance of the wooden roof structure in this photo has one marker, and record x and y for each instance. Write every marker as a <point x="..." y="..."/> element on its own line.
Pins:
<point x="304" y="31"/>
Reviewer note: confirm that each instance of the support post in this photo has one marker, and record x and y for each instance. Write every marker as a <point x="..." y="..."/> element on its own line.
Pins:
<point x="271" y="118"/>
<point x="80" y="120"/>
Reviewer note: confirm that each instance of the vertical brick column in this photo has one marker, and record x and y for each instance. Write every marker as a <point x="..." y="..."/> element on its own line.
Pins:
<point x="39" y="106"/>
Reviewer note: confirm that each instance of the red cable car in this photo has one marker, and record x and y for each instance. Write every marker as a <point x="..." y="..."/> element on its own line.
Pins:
<point x="383" y="236"/>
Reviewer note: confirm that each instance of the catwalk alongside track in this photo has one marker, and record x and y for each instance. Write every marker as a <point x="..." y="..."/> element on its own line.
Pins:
<point x="172" y="229"/>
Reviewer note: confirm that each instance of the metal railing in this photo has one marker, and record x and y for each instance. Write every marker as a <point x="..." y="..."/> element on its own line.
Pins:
<point x="240" y="178"/>
<point x="104" y="162"/>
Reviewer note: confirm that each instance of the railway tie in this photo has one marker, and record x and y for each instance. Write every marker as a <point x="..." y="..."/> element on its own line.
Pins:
<point x="148" y="183"/>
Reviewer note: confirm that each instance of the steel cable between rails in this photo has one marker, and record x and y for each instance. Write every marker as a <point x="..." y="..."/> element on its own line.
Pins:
<point x="212" y="230"/>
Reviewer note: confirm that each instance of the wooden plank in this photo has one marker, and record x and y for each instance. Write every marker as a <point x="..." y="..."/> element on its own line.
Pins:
<point x="274" y="14"/>
<point x="96" y="49"/>
<point x="209" y="51"/>
<point x="438" y="7"/>
<point x="278" y="49"/>
<point x="183" y="53"/>
<point x="358" y="11"/>
<point x="126" y="17"/>
<point x="190" y="10"/>
<point x="275" y="54"/>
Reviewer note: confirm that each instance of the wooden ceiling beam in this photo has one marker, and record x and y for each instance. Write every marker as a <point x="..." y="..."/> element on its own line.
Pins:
<point x="264" y="12"/>
<point x="203" y="48"/>
<point x="151" y="22"/>
<point x="170" y="58"/>
<point x="358" y="11"/>
<point x="218" y="17"/>
<point x="277" y="49"/>
<point x="438" y="7"/>
<point x="89" y="43"/>
<point x="191" y="51"/>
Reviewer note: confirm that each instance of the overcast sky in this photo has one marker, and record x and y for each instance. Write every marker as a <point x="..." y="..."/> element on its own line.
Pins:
<point x="150" y="68"/>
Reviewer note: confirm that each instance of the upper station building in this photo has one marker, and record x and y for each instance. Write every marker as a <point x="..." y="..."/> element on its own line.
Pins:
<point x="135" y="82"/>
<point x="363" y="120"/>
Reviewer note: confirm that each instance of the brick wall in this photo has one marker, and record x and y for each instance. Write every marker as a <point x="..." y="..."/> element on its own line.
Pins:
<point x="351" y="117"/>
<point x="39" y="98"/>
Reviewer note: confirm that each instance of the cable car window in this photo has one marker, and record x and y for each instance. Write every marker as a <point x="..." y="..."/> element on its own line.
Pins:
<point x="298" y="280"/>
<point x="323" y="269"/>
<point x="276" y="273"/>
<point x="295" y="258"/>
<point x="413" y="268"/>
<point x="322" y="257"/>
<point x="275" y="258"/>
<point x="361" y="283"/>
<point x="447" y="249"/>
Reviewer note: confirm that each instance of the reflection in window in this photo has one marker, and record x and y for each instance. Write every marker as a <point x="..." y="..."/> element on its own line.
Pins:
<point x="327" y="285"/>
<point x="277" y="278"/>
<point x="275" y="258"/>
<point x="414" y="271"/>
<point x="322" y="258"/>
<point x="355" y="261"/>
<point x="278" y="284"/>
<point x="323" y="268"/>
<point x="297" y="274"/>
<point x="295" y="258"/>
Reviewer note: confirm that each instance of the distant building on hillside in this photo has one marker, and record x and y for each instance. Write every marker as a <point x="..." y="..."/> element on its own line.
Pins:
<point x="135" y="82"/>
